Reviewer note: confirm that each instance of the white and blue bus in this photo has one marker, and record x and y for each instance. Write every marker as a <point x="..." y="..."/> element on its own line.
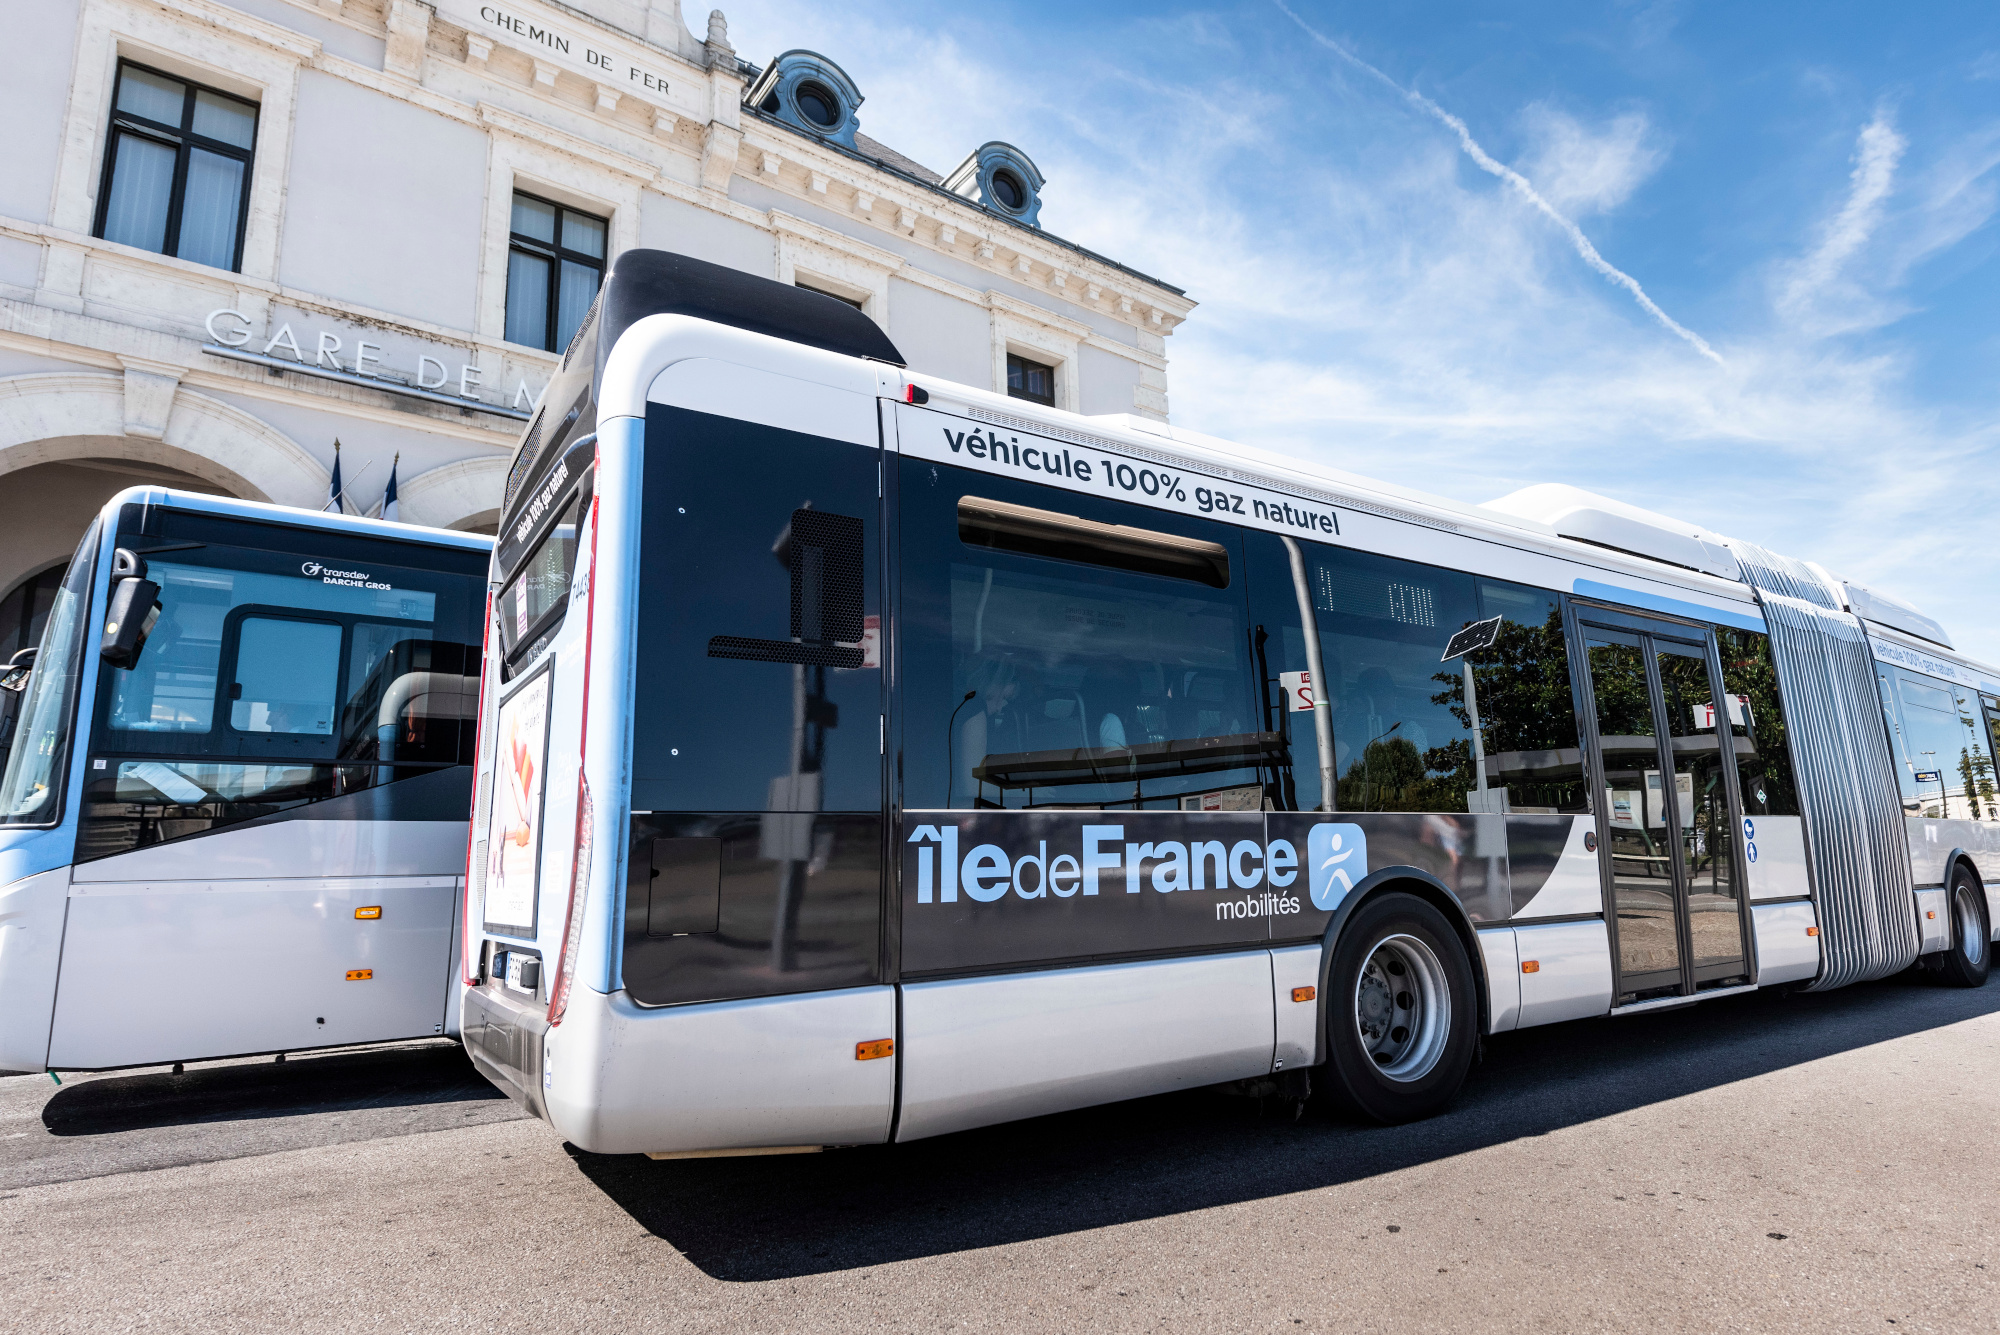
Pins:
<point x="233" y="819"/>
<point x="1191" y="764"/>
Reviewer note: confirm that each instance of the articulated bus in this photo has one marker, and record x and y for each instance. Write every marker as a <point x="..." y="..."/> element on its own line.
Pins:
<point x="233" y="819"/>
<point x="1192" y="765"/>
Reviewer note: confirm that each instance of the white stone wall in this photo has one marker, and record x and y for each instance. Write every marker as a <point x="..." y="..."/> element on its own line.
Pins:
<point x="391" y="137"/>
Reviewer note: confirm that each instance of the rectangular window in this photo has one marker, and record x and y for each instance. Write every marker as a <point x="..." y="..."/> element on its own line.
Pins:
<point x="1941" y="758"/>
<point x="177" y="168"/>
<point x="1031" y="381"/>
<point x="1096" y="656"/>
<point x="755" y="598"/>
<point x="289" y="669"/>
<point x="1763" y="757"/>
<point x="555" y="261"/>
<point x="1416" y="726"/>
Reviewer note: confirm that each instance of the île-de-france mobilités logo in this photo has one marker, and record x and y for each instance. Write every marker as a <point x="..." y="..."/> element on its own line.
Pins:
<point x="1337" y="860"/>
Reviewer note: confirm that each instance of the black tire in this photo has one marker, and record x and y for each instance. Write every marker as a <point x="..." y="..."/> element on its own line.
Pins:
<point x="1397" y="960"/>
<point x="1971" y="955"/>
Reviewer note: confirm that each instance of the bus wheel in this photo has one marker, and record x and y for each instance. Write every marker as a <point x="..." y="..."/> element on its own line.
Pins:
<point x="1970" y="956"/>
<point x="1401" y="1012"/>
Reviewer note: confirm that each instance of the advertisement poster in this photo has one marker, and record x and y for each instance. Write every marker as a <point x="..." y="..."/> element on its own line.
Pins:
<point x="514" y="838"/>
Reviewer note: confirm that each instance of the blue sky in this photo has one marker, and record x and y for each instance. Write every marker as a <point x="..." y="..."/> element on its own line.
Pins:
<point x="1806" y="191"/>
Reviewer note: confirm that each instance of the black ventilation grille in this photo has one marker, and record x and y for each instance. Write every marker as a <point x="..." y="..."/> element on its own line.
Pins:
<point x="525" y="460"/>
<point x="785" y="651"/>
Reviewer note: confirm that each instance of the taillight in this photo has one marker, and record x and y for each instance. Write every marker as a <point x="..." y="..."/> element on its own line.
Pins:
<point x="579" y="866"/>
<point x="579" y="882"/>
<point x="470" y="954"/>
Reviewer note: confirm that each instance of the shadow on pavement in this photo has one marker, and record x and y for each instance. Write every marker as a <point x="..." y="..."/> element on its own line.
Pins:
<point x="314" y="1083"/>
<point x="755" y="1219"/>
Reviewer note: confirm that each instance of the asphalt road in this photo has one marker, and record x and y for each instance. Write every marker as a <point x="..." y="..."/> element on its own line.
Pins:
<point x="1754" y="1163"/>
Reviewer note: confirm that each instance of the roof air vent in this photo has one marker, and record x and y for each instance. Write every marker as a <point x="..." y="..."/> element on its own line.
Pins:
<point x="1603" y="522"/>
<point x="1885" y="610"/>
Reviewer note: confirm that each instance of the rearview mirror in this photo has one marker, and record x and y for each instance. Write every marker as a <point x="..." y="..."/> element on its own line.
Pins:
<point x="134" y="609"/>
<point x="14" y="677"/>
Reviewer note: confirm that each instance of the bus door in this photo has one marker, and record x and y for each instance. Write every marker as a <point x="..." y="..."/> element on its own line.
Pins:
<point x="250" y="875"/>
<point x="1668" y="810"/>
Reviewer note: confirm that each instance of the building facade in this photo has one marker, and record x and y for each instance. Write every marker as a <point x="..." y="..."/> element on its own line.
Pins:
<point x="234" y="232"/>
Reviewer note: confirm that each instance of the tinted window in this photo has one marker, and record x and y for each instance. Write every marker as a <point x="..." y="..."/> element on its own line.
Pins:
<point x="285" y="668"/>
<point x="1974" y="778"/>
<point x="1403" y="720"/>
<point x="1757" y="722"/>
<point x="1942" y="763"/>
<point x="31" y="787"/>
<point x="1065" y="651"/>
<point x="759" y="686"/>
<point x="530" y="607"/>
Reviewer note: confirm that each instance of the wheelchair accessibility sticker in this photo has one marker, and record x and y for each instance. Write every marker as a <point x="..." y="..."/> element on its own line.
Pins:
<point x="1337" y="858"/>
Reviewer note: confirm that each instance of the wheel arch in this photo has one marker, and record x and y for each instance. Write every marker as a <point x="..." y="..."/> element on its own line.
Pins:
<point x="1412" y="881"/>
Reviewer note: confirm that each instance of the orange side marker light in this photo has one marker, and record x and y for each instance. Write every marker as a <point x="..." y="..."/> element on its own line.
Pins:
<point x="369" y="912"/>
<point x="1531" y="966"/>
<point x="873" y="1048"/>
<point x="1930" y="913"/>
<point x="1812" y="931"/>
<point x="359" y="975"/>
<point x="1304" y="993"/>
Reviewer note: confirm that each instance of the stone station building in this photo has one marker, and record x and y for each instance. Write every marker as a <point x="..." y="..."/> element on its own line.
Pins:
<point x="233" y="232"/>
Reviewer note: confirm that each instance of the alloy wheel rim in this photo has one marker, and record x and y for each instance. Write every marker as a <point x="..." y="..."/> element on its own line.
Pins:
<point x="1402" y="1008"/>
<point x="1971" y="932"/>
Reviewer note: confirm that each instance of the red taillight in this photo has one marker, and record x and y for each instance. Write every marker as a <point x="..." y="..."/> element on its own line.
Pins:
<point x="579" y="882"/>
<point x="470" y="954"/>
<point x="911" y="394"/>
<point x="579" y="867"/>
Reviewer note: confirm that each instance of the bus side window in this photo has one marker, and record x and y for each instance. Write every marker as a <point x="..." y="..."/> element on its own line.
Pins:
<point x="287" y="676"/>
<point x="1935" y="759"/>
<point x="1403" y="718"/>
<point x="1757" y="723"/>
<point x="1975" y="776"/>
<point x="1062" y="650"/>
<point x="759" y="686"/>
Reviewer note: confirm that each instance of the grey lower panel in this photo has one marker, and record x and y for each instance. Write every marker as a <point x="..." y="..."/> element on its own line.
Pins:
<point x="505" y="1043"/>
<point x="1858" y="852"/>
<point x="977" y="1051"/>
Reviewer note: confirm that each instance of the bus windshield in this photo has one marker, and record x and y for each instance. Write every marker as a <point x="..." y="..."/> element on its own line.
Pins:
<point x="29" y="792"/>
<point x="280" y="673"/>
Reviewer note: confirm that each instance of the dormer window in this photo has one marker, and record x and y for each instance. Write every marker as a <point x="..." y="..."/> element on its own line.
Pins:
<point x="1009" y="191"/>
<point x="999" y="177"/>
<point x="808" y="92"/>
<point x="818" y="105"/>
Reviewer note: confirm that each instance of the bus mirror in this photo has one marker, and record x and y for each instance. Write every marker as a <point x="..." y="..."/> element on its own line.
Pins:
<point x="135" y="607"/>
<point x="14" y="677"/>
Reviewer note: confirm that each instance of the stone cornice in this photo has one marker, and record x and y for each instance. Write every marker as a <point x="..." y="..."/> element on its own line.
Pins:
<point x="521" y="127"/>
<point x="237" y="23"/>
<point x="892" y="198"/>
<point x="789" y="225"/>
<point x="1021" y="310"/>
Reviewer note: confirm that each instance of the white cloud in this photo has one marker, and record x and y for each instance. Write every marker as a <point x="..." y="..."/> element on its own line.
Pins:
<point x="1820" y="294"/>
<point x="1584" y="169"/>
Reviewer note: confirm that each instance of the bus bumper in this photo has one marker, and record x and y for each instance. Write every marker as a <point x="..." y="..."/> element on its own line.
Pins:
<point x="618" y="1078"/>
<point x="31" y="928"/>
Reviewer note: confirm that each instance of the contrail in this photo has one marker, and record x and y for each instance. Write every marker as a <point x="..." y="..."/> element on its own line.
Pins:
<point x="1520" y="183"/>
